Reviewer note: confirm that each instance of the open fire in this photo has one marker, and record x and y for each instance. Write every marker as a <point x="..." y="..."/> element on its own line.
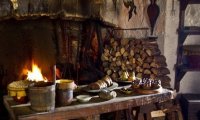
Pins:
<point x="35" y="74"/>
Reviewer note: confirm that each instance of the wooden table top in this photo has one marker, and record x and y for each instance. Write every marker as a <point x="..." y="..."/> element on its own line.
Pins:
<point x="77" y="110"/>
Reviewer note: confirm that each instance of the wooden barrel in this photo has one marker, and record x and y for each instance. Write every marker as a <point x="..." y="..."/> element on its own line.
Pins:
<point x="42" y="96"/>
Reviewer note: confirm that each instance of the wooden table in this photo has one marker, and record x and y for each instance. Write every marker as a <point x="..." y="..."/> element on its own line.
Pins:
<point x="77" y="110"/>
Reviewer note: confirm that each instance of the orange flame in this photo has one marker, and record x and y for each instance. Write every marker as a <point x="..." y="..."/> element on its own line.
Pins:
<point x="35" y="74"/>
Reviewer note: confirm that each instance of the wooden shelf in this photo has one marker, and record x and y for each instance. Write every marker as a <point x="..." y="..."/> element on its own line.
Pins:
<point x="183" y="32"/>
<point x="188" y="30"/>
<point x="193" y="1"/>
<point x="192" y="47"/>
<point x="188" y="69"/>
<point x="191" y="30"/>
<point x="181" y="71"/>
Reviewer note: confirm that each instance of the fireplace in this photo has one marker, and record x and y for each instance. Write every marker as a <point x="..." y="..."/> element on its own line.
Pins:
<point x="75" y="47"/>
<point x="24" y="41"/>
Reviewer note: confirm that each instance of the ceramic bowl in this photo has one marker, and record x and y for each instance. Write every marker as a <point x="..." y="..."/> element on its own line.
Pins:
<point x="83" y="98"/>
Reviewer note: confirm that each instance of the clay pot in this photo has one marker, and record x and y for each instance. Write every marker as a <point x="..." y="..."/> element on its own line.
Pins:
<point x="65" y="84"/>
<point x="64" y="91"/>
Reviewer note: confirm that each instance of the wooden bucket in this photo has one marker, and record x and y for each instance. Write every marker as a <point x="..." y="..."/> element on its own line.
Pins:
<point x="42" y="96"/>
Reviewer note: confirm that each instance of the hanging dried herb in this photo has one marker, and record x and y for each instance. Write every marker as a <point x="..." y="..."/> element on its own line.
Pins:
<point x="131" y="6"/>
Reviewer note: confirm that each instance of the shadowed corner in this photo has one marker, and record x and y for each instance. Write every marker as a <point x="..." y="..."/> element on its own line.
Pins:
<point x="198" y="115"/>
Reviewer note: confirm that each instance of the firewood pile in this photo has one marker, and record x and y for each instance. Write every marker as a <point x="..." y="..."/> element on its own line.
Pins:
<point x="141" y="56"/>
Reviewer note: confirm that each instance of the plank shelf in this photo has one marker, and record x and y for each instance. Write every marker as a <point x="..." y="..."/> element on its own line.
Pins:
<point x="191" y="30"/>
<point x="183" y="31"/>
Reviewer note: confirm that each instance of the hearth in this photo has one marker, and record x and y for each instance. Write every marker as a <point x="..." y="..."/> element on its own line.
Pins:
<point x="77" y="50"/>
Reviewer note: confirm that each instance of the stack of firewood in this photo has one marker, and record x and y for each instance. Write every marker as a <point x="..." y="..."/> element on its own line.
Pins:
<point x="141" y="56"/>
